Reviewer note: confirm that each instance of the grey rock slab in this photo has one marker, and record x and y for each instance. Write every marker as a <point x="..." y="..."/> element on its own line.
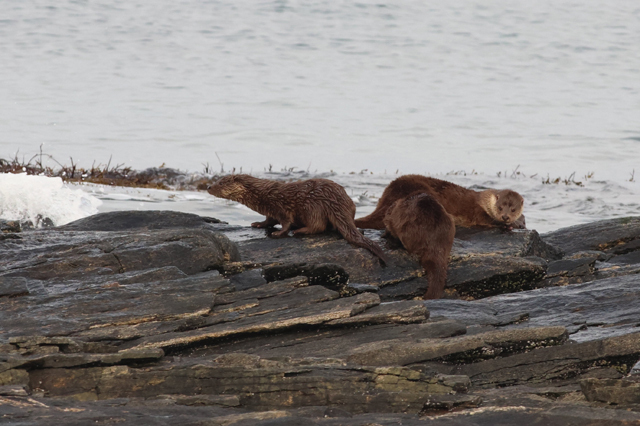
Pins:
<point x="484" y="276"/>
<point x="327" y="248"/>
<point x="401" y="312"/>
<point x="62" y="253"/>
<point x="450" y="402"/>
<point x="612" y="391"/>
<point x="315" y="314"/>
<point x="7" y="226"/>
<point x="498" y="242"/>
<point x="226" y="306"/>
<point x="140" y="221"/>
<point x="155" y="412"/>
<point x="248" y="279"/>
<point x="60" y="360"/>
<point x="108" y="305"/>
<point x="284" y="257"/>
<point x="195" y="400"/>
<point x="554" y="363"/>
<point x="12" y="390"/>
<point x="457" y="349"/>
<point x="13" y="287"/>
<point x="329" y="275"/>
<point x="266" y="385"/>
<point x="336" y="343"/>
<point x="572" y="267"/>
<point x="263" y="291"/>
<point x="614" y="235"/>
<point x="287" y="299"/>
<point x="599" y="308"/>
<point x="570" y="271"/>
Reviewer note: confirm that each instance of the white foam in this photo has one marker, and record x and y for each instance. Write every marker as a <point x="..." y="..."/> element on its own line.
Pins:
<point x="24" y="197"/>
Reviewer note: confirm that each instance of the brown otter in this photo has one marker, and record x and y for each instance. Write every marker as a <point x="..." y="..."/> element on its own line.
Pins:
<point x="468" y="208"/>
<point x="424" y="228"/>
<point x="309" y="206"/>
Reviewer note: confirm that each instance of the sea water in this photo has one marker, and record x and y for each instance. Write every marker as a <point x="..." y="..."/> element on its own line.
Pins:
<point x="531" y="90"/>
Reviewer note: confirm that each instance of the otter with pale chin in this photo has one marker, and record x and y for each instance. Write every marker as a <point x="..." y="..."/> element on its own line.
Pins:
<point x="488" y="208"/>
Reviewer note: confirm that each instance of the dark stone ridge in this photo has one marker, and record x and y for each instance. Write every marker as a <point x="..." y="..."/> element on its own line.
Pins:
<point x="624" y="391"/>
<point x="616" y="236"/>
<point x="166" y="318"/>
<point x="10" y="226"/>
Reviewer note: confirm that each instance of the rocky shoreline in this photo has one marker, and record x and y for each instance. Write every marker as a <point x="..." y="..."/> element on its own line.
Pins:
<point x="174" y="318"/>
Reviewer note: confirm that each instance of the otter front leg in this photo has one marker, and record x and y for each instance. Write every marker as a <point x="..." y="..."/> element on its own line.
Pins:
<point x="268" y="223"/>
<point x="286" y="226"/>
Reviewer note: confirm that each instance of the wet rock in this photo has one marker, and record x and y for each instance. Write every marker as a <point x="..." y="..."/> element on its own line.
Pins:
<point x="60" y="360"/>
<point x="569" y="271"/>
<point x="450" y="402"/>
<point x="268" y="385"/>
<point x="10" y="226"/>
<point x="48" y="254"/>
<point x="297" y="314"/>
<point x="496" y="241"/>
<point x="122" y="307"/>
<point x="140" y="221"/>
<point x="615" y="235"/>
<point x="12" y="390"/>
<point x="334" y="342"/>
<point x="599" y="308"/>
<point x="331" y="276"/>
<point x="13" y="287"/>
<point x="198" y="400"/>
<point x="153" y="315"/>
<point x="555" y="363"/>
<point x="485" y="276"/>
<point x="402" y="312"/>
<point x="248" y="279"/>
<point x="458" y="349"/>
<point x="612" y="391"/>
<point x="483" y="262"/>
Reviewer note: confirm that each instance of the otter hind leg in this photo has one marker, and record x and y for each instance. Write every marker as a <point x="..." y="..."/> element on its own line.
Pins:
<point x="373" y="221"/>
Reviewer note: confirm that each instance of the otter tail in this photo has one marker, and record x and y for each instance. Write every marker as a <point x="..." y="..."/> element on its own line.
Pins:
<point x="373" y="221"/>
<point x="347" y="229"/>
<point x="437" y="277"/>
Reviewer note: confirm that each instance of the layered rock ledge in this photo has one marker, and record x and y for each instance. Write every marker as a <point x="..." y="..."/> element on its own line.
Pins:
<point x="181" y="319"/>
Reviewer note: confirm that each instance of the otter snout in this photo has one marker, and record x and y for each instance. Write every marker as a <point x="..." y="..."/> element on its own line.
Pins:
<point x="505" y="218"/>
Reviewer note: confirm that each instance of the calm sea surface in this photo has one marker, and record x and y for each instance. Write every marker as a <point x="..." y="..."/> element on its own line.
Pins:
<point x="428" y="87"/>
<point x="541" y="88"/>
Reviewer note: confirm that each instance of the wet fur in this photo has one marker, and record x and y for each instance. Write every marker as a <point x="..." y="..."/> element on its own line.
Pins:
<point x="424" y="228"/>
<point x="310" y="206"/>
<point x="489" y="208"/>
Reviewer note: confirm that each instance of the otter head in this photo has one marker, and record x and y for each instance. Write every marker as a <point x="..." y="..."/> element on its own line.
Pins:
<point x="507" y="206"/>
<point x="230" y="187"/>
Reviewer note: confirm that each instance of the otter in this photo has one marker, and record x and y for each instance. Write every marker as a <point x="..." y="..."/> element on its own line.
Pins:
<point x="424" y="228"/>
<point x="490" y="208"/>
<point x="309" y="206"/>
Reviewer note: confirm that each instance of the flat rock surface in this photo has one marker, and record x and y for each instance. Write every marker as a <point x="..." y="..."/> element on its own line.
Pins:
<point x="167" y="318"/>
<point x="589" y="310"/>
